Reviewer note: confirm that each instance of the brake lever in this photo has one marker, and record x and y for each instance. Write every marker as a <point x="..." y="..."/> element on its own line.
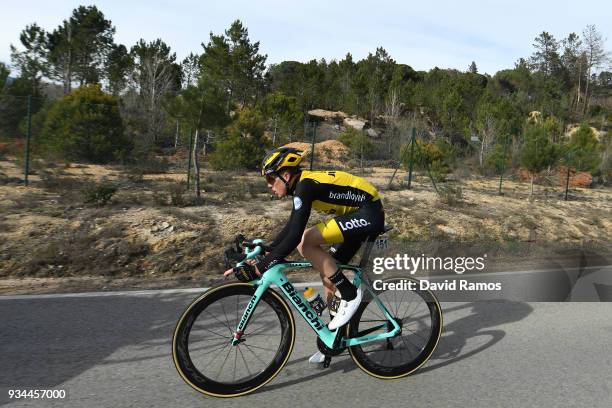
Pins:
<point x="238" y="241"/>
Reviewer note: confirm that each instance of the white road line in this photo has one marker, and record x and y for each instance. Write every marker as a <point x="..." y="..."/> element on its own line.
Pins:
<point x="154" y="292"/>
<point x="588" y="268"/>
<point x="151" y="292"/>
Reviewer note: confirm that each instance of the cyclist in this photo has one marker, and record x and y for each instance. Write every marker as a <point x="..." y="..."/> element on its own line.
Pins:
<point x="358" y="212"/>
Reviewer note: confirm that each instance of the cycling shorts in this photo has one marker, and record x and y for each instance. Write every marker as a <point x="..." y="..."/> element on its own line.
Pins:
<point x="347" y="232"/>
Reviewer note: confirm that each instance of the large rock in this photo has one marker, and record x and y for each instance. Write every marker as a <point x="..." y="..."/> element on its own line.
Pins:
<point x="524" y="175"/>
<point x="329" y="153"/>
<point x="372" y="133"/>
<point x="331" y="116"/>
<point x="582" y="179"/>
<point x="356" y="123"/>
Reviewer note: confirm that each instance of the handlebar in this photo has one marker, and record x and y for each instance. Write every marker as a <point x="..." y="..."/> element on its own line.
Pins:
<point x="250" y="250"/>
<point x="240" y="240"/>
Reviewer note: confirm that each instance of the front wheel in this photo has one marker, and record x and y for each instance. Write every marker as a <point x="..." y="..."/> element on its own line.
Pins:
<point x="202" y="347"/>
<point x="420" y="318"/>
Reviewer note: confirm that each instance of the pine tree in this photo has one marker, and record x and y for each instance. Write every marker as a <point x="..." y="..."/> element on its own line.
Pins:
<point x="235" y="62"/>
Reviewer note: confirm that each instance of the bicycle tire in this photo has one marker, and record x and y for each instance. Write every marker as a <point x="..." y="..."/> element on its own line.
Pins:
<point x="202" y="381"/>
<point x="377" y="367"/>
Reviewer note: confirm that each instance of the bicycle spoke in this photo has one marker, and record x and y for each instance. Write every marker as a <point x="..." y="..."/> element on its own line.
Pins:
<point x="205" y="353"/>
<point x="255" y="354"/>
<point x="215" y="317"/>
<point x="401" y="354"/>
<point x="254" y="314"/>
<point x="235" y="361"/>
<point x="400" y="349"/>
<point x="418" y="335"/>
<point x="400" y="303"/>
<point x="374" y="312"/>
<point x="217" y="355"/>
<point x="244" y="360"/>
<point x="409" y="343"/>
<point x="257" y="329"/>
<point x="213" y="332"/>
<point x="221" y="347"/>
<point x="261" y="348"/>
<point x="411" y="322"/>
<point x="226" y="319"/>
<point x="224" y="361"/>
<point x="407" y="309"/>
<point x="257" y="333"/>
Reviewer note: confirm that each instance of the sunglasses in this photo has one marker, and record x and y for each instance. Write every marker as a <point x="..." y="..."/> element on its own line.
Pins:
<point x="270" y="178"/>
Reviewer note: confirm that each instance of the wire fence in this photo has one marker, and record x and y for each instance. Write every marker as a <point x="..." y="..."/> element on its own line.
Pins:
<point x="28" y="122"/>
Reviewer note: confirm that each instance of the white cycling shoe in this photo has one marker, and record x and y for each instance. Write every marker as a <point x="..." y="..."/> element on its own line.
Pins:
<point x="346" y="310"/>
<point x="317" y="358"/>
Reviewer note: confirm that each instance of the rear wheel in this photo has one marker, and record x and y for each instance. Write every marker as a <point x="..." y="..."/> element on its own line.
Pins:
<point x="420" y="318"/>
<point x="202" y="343"/>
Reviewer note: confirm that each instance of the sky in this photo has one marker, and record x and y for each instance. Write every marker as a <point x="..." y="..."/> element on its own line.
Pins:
<point x="442" y="33"/>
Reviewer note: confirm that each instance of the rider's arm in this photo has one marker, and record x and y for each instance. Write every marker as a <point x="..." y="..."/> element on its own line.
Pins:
<point x="281" y="234"/>
<point x="292" y="232"/>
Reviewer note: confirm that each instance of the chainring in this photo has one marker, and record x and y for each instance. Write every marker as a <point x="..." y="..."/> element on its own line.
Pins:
<point x="328" y="351"/>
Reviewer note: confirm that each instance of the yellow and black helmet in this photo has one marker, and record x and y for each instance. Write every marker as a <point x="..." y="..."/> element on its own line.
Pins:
<point x="282" y="158"/>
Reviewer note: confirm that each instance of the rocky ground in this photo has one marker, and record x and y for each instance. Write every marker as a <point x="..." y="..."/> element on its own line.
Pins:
<point x="151" y="234"/>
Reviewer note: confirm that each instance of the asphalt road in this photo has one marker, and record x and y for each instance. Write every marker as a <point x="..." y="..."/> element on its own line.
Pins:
<point x="114" y="351"/>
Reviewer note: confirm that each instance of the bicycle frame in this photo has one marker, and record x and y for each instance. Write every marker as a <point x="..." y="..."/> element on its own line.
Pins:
<point x="275" y="276"/>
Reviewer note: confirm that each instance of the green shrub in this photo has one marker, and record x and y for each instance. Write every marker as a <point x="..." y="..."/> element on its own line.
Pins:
<point x="85" y="125"/>
<point x="14" y="106"/>
<point x="358" y="142"/>
<point x="243" y="147"/>
<point x="435" y="157"/>
<point x="499" y="159"/>
<point x="538" y="151"/>
<point x="583" y="150"/>
<point x="98" y="193"/>
<point x="217" y="182"/>
<point x="173" y="194"/>
<point x="450" y="194"/>
<point x="135" y="177"/>
<point x="177" y="194"/>
<point x="237" y="151"/>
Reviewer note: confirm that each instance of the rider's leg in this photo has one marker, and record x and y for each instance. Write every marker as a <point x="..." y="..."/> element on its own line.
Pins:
<point x="328" y="287"/>
<point x="322" y="261"/>
<point x="310" y="247"/>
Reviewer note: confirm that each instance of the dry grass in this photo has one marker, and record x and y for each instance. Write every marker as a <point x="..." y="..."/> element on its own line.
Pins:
<point x="46" y="230"/>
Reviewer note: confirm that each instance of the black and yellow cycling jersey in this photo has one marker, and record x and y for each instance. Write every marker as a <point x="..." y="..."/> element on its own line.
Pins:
<point x="331" y="192"/>
<point x="336" y="192"/>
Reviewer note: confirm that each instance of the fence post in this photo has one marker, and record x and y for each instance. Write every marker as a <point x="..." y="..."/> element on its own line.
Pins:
<point x="29" y="136"/>
<point x="567" y="179"/>
<point x="412" y="142"/>
<point x="399" y="163"/>
<point x="503" y="169"/>
<point x="312" y="149"/>
<point x="189" y="156"/>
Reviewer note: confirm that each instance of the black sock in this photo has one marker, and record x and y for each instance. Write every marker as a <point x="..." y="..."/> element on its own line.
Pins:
<point x="345" y="287"/>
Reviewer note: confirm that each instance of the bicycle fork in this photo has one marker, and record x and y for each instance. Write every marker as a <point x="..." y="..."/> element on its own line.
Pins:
<point x="248" y="313"/>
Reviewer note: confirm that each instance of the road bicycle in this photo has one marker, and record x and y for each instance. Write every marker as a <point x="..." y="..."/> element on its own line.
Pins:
<point x="236" y="337"/>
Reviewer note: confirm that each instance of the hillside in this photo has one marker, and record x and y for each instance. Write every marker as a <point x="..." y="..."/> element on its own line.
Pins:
<point x="149" y="234"/>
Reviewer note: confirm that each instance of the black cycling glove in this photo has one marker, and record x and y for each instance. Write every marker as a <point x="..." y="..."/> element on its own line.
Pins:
<point x="245" y="273"/>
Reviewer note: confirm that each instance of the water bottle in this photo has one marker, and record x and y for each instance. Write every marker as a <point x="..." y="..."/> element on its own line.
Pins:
<point x="315" y="300"/>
